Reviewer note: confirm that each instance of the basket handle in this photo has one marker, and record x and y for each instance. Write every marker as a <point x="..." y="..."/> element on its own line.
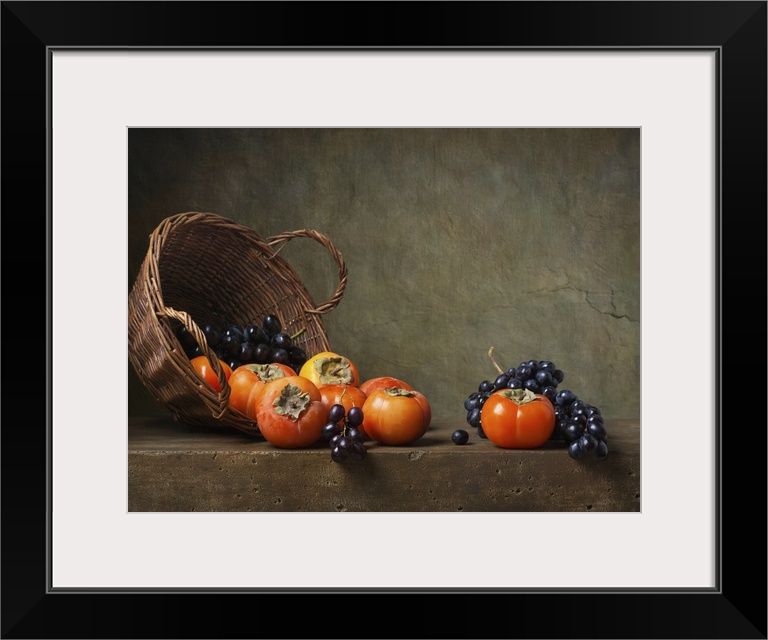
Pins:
<point x="325" y="241"/>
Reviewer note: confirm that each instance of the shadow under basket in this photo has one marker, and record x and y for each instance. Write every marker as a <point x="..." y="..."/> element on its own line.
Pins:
<point x="203" y="268"/>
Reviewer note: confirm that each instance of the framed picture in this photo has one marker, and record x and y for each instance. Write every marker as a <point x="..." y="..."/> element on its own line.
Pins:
<point x="691" y="76"/>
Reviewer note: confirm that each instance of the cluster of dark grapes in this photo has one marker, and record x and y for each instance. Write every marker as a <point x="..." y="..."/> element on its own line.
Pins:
<point x="264" y="342"/>
<point x="538" y="376"/>
<point x="577" y="423"/>
<point x="580" y="425"/>
<point x="343" y="433"/>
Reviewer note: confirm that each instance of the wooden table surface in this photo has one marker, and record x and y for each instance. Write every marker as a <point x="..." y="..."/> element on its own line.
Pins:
<point x="176" y="467"/>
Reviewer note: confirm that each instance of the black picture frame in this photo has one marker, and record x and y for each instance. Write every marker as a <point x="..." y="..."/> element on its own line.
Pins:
<point x="735" y="609"/>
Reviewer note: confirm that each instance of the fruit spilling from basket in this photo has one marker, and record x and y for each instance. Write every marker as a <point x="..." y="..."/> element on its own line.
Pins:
<point x="298" y="401"/>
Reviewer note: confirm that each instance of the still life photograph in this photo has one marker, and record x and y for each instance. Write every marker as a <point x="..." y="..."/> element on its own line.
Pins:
<point x="384" y="319"/>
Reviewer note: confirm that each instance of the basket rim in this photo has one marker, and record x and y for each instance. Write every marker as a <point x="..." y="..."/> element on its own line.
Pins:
<point x="270" y="246"/>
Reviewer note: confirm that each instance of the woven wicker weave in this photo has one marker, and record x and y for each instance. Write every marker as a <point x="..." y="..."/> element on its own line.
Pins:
<point x="201" y="268"/>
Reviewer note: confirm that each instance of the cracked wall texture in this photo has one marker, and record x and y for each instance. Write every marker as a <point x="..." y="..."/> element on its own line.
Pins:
<point x="456" y="240"/>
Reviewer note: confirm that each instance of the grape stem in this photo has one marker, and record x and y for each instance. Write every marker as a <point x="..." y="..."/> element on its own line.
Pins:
<point x="493" y="360"/>
<point x="298" y="333"/>
<point x="341" y="398"/>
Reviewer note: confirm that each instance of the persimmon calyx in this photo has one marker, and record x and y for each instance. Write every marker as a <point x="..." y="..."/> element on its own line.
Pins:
<point x="266" y="372"/>
<point x="334" y="370"/>
<point x="292" y="402"/>
<point x="519" y="396"/>
<point x="271" y="372"/>
<point x="398" y="391"/>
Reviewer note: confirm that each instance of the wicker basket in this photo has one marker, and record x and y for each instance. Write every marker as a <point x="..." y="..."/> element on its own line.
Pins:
<point x="201" y="268"/>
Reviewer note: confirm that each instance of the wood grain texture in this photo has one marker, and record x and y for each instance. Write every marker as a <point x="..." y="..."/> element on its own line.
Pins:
<point x="174" y="467"/>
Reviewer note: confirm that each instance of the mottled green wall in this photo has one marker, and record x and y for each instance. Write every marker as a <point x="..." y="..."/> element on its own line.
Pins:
<point x="456" y="240"/>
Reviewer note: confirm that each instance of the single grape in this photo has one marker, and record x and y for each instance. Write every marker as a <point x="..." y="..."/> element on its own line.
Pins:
<point x="355" y="434"/>
<point x="297" y="356"/>
<point x="532" y="385"/>
<point x="557" y="432"/>
<point x="577" y="408"/>
<point x="597" y="430"/>
<point x="601" y="452"/>
<point x="282" y="340"/>
<point x="595" y="419"/>
<point x="501" y="381"/>
<point x="524" y="372"/>
<point x="355" y="417"/>
<point x="565" y="397"/>
<point x="578" y="417"/>
<point x="358" y="451"/>
<point x="246" y="352"/>
<point x="460" y="436"/>
<point x="256" y="334"/>
<point x="575" y="451"/>
<point x="229" y="345"/>
<point x="485" y="386"/>
<point x="262" y="353"/>
<point x="549" y="393"/>
<point x="515" y="383"/>
<point x="338" y="454"/>
<point x="212" y="335"/>
<point x="279" y="355"/>
<point x="336" y="413"/>
<point x="572" y="431"/>
<point x="236" y="332"/>
<point x="331" y="429"/>
<point x="345" y="442"/>
<point x="587" y="443"/>
<point x="472" y="401"/>
<point x="272" y="324"/>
